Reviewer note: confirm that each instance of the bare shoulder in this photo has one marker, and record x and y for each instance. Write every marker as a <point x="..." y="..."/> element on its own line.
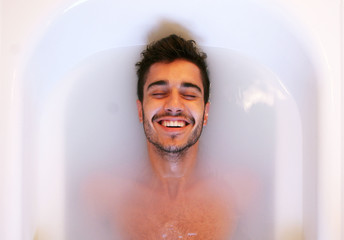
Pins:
<point x="102" y="191"/>
<point x="239" y="186"/>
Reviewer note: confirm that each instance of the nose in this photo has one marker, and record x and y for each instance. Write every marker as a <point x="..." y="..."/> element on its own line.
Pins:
<point x="174" y="103"/>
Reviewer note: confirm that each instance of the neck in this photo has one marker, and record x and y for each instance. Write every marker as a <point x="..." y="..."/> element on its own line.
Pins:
<point x="173" y="169"/>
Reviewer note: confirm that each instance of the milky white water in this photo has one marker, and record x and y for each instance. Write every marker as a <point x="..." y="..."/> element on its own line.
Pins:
<point x="247" y="133"/>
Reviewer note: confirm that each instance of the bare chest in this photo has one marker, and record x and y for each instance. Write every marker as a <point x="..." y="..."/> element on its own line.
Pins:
<point x="192" y="216"/>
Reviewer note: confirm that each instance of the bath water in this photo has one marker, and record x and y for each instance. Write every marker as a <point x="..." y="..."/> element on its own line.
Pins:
<point x="102" y="133"/>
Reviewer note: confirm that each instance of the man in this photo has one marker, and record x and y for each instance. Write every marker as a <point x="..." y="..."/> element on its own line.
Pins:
<point x="174" y="199"/>
<point x="173" y="94"/>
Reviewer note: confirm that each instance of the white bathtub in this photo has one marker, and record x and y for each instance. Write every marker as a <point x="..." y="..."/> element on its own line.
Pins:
<point x="279" y="65"/>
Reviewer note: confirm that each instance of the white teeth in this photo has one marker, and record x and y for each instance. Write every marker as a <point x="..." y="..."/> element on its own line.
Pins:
<point x="173" y="123"/>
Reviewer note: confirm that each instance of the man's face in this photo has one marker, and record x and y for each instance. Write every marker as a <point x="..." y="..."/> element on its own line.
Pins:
<point x="173" y="110"/>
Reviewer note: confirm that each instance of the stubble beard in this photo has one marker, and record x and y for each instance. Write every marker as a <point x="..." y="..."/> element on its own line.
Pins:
<point x="174" y="150"/>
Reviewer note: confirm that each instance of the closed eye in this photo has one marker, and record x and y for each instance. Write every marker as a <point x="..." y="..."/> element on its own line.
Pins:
<point x="159" y="95"/>
<point x="190" y="97"/>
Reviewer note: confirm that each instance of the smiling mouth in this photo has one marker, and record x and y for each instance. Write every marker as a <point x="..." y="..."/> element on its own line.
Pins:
<point x="173" y="124"/>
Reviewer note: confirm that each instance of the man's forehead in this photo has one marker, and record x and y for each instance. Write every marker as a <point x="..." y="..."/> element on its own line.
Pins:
<point x="179" y="72"/>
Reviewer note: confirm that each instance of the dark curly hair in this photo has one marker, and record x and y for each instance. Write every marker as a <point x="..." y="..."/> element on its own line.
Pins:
<point x="167" y="50"/>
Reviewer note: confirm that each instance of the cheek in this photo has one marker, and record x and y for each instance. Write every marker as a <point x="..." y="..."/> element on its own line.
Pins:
<point x="197" y="110"/>
<point x="150" y="110"/>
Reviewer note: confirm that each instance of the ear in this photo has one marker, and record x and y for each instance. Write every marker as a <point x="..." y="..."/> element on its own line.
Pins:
<point x="139" y="110"/>
<point x="206" y="112"/>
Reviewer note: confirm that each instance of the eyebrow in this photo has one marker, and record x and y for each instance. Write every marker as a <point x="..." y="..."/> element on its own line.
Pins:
<point x="191" y="85"/>
<point x="157" y="83"/>
<point x="183" y="85"/>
